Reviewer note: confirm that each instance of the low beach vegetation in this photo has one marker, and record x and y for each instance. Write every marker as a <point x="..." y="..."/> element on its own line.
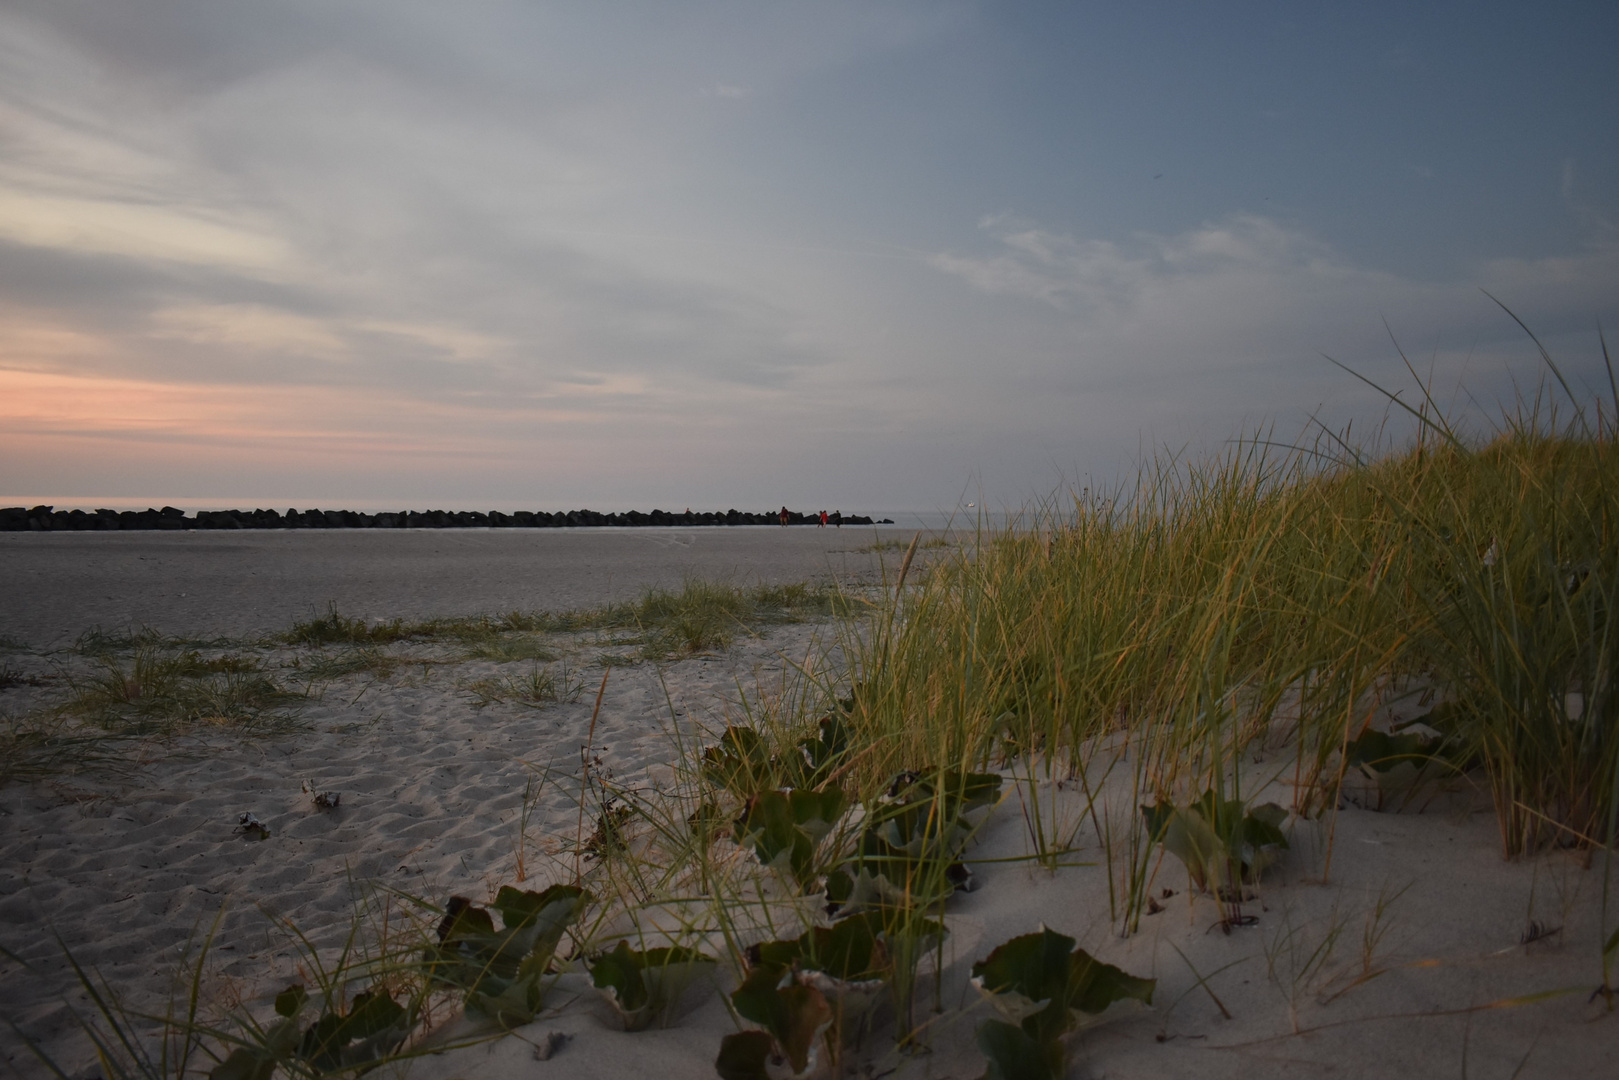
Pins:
<point x="157" y="692"/>
<point x="699" y="615"/>
<point x="1043" y="987"/>
<point x="535" y="688"/>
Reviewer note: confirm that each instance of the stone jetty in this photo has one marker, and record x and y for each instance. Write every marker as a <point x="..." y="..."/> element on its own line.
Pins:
<point x="49" y="519"/>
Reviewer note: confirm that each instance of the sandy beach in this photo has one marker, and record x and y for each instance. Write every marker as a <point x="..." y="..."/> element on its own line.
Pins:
<point x="1418" y="952"/>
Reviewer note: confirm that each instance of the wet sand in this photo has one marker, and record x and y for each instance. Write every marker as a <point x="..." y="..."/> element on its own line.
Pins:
<point x="54" y="586"/>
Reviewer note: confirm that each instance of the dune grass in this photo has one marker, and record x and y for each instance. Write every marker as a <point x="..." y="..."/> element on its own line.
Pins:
<point x="1277" y="597"/>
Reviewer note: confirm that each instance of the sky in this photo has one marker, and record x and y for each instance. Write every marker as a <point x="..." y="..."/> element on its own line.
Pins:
<point x="873" y="256"/>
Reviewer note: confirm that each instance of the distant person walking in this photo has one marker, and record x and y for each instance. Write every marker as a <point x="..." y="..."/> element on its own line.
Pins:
<point x="784" y="517"/>
<point x="822" y="525"/>
<point x="837" y="519"/>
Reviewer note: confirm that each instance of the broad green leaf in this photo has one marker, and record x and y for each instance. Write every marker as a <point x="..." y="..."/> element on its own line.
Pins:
<point x="848" y="962"/>
<point x="756" y="998"/>
<point x="1040" y="980"/>
<point x="784" y="827"/>
<point x="1015" y="1055"/>
<point x="290" y="1001"/>
<point x="1380" y="751"/>
<point x="879" y="875"/>
<point x="1222" y="844"/>
<point x="504" y="972"/>
<point x="849" y="949"/>
<point x="465" y="921"/>
<point x="824" y="753"/>
<point x="279" y="1041"/>
<point x="926" y="814"/>
<point x="738" y="764"/>
<point x="557" y="906"/>
<point x="795" y="1016"/>
<point x="244" y="1063"/>
<point x="646" y="986"/>
<point x="1093" y="985"/>
<point x="808" y="1016"/>
<point x="745" y="1056"/>
<point x="374" y="1025"/>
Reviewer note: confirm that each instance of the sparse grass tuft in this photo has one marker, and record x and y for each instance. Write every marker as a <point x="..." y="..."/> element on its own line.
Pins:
<point x="159" y="693"/>
<point x="336" y="629"/>
<point x="705" y="615"/>
<point x="98" y="642"/>
<point x="536" y="688"/>
<point x="39" y="746"/>
<point x="324" y="667"/>
<point x="507" y="649"/>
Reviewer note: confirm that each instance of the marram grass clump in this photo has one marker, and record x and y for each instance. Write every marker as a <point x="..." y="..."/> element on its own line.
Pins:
<point x="1276" y="598"/>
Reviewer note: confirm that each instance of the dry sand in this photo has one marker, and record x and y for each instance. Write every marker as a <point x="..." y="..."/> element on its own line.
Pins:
<point x="1428" y="973"/>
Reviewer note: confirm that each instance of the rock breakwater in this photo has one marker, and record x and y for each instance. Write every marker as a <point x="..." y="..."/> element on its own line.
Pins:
<point x="49" y="519"/>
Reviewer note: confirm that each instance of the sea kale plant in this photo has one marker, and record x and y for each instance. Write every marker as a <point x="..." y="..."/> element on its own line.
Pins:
<point x="1224" y="844"/>
<point x="503" y="973"/>
<point x="1043" y="987"/>
<point x="646" y="986"/>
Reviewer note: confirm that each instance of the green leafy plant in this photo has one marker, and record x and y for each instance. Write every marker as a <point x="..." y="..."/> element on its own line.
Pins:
<point x="645" y="986"/>
<point x="1224" y="844"/>
<point x="909" y="850"/>
<point x="822" y="755"/>
<point x="786" y="828"/>
<point x="503" y="973"/>
<point x="1395" y="764"/>
<point x="792" y="1019"/>
<point x="854" y="963"/>
<point x="742" y="764"/>
<point x="930" y="813"/>
<point x="1043" y="986"/>
<point x="339" y="1040"/>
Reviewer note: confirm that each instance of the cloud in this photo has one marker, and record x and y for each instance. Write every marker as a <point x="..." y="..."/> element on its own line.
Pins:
<point x="1251" y="270"/>
<point x="520" y="229"/>
<point x="1245" y="282"/>
<point x="1169" y="335"/>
